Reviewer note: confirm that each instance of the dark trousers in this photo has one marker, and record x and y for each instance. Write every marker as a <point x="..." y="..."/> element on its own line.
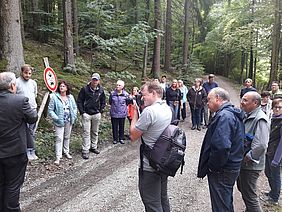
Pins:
<point x="247" y="185"/>
<point x="118" y="128"/>
<point x="153" y="191"/>
<point x="196" y="116"/>
<point x="221" y="190"/>
<point x="273" y="175"/>
<point x="12" y="173"/>
<point x="183" y="111"/>
<point x="31" y="136"/>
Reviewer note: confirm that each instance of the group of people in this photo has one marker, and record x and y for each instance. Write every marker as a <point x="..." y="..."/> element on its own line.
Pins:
<point x="178" y="97"/>
<point x="239" y="142"/>
<point x="238" y="145"/>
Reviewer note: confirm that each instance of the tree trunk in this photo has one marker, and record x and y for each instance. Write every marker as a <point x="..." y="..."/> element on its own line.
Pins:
<point x="68" y="39"/>
<point x="10" y="33"/>
<point x="275" y="42"/>
<point x="35" y="20"/>
<point x="246" y="64"/>
<point x="145" y="54"/>
<point x="136" y="18"/>
<point x="145" y="60"/>
<point x="157" y="40"/>
<point x="255" y="59"/>
<point x="75" y="26"/>
<point x="251" y="64"/>
<point x="22" y="23"/>
<point x="280" y="59"/>
<point x="185" y="46"/>
<point x="168" y="38"/>
<point x="242" y="65"/>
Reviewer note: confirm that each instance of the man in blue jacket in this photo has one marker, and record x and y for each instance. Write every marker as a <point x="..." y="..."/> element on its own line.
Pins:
<point x="222" y="150"/>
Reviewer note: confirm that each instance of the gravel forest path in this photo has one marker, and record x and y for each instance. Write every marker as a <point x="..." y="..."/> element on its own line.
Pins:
<point x="108" y="181"/>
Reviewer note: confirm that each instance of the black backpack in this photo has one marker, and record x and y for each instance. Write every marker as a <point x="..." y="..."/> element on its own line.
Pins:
<point x="167" y="154"/>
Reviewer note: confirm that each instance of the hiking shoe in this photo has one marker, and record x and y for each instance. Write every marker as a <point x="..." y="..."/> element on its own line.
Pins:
<point x="57" y="162"/>
<point x="268" y="199"/>
<point x="94" y="150"/>
<point x="68" y="156"/>
<point x="121" y="141"/>
<point x="85" y="156"/>
<point x="114" y="142"/>
<point x="31" y="156"/>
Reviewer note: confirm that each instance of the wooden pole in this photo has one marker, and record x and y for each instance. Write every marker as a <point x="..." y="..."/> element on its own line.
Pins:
<point x="45" y="98"/>
<point x="41" y="109"/>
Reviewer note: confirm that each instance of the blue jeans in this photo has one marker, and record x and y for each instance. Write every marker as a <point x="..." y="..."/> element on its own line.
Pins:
<point x="153" y="191"/>
<point x="196" y="116"/>
<point x="221" y="189"/>
<point x="175" y="109"/>
<point x="273" y="175"/>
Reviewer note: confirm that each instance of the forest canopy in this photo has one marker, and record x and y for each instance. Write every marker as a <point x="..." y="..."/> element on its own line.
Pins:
<point x="237" y="39"/>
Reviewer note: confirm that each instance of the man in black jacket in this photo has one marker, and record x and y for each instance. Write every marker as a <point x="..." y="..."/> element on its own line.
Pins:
<point x="91" y="102"/>
<point x="15" y="113"/>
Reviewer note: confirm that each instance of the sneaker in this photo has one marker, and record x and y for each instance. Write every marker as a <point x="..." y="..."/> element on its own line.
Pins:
<point x="114" y="142"/>
<point x="199" y="128"/>
<point x="268" y="199"/>
<point x="94" y="150"/>
<point x="34" y="156"/>
<point x="31" y="155"/>
<point x="85" y="156"/>
<point x="57" y="162"/>
<point x="28" y="154"/>
<point x="121" y="141"/>
<point x="193" y="128"/>
<point x="68" y="156"/>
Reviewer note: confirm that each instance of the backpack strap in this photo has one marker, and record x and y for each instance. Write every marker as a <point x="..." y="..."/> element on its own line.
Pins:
<point x="142" y="147"/>
<point x="145" y="150"/>
<point x="182" y="164"/>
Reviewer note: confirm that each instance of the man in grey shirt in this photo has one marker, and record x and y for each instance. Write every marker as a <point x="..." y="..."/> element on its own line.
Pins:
<point x="152" y="122"/>
<point x="28" y="88"/>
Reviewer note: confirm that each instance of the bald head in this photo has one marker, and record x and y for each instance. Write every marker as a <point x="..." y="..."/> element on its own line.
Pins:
<point x="250" y="101"/>
<point x="216" y="98"/>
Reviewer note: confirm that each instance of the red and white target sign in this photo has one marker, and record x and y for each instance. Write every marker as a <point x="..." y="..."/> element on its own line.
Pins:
<point x="50" y="79"/>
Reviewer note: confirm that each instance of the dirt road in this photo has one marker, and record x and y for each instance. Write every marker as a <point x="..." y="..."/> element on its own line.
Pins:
<point x="108" y="182"/>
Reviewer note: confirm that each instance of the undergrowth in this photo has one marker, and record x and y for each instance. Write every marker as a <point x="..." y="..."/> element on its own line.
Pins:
<point x="34" y="53"/>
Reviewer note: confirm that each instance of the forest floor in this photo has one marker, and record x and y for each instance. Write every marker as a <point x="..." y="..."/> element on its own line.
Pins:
<point x="108" y="181"/>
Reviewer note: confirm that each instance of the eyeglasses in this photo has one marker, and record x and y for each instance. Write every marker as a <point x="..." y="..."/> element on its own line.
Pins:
<point x="277" y="107"/>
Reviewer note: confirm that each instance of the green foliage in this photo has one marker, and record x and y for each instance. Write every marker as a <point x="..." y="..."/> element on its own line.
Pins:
<point x="232" y="29"/>
<point x="3" y="64"/>
<point x="124" y="75"/>
<point x="195" y="69"/>
<point x="128" y="47"/>
<point x="81" y="66"/>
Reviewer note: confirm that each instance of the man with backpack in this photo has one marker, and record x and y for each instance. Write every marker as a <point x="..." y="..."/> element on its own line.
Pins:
<point x="222" y="150"/>
<point x="153" y="120"/>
